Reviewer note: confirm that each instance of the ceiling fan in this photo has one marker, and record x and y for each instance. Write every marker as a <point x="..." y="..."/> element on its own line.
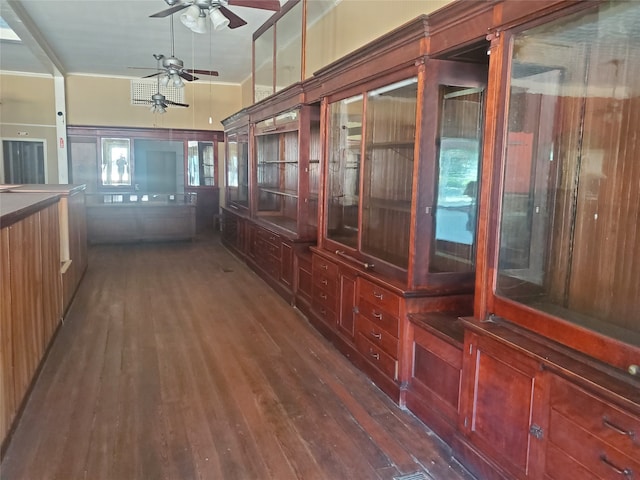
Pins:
<point x="220" y="16"/>
<point x="158" y="101"/>
<point x="173" y="70"/>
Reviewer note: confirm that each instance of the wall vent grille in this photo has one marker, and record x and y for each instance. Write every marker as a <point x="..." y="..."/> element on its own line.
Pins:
<point x="142" y="90"/>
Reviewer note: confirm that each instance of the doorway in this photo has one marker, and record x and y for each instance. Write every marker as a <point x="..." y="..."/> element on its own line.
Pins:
<point x="23" y="161"/>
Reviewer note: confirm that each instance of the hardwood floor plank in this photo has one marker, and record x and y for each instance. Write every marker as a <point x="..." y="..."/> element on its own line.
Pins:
<point x="176" y="361"/>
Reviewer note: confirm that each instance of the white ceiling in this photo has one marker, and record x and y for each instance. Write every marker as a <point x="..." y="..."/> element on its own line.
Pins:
<point x="105" y="37"/>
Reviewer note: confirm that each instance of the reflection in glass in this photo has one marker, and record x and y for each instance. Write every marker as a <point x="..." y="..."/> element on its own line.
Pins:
<point x="289" y="48"/>
<point x="115" y="167"/>
<point x="345" y="136"/>
<point x="388" y="171"/>
<point x="200" y="164"/>
<point x="569" y="234"/>
<point x="263" y="65"/>
<point x="456" y="202"/>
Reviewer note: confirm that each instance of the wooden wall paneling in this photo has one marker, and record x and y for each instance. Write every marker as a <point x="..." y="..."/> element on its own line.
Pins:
<point x="7" y="398"/>
<point x="51" y="276"/>
<point x="26" y="301"/>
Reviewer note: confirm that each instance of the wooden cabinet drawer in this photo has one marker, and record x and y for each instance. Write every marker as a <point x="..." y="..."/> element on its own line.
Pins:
<point x="377" y="336"/>
<point x="324" y="312"/>
<point x="325" y="281"/>
<point x="376" y="356"/>
<point x="606" y="422"/>
<point x="597" y="456"/>
<point x="560" y="466"/>
<point x="320" y="266"/>
<point x="378" y="317"/>
<point x="322" y="298"/>
<point x="380" y="297"/>
<point x="268" y="236"/>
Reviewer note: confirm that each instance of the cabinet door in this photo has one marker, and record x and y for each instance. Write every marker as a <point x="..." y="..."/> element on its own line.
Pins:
<point x="502" y="405"/>
<point x="346" y="317"/>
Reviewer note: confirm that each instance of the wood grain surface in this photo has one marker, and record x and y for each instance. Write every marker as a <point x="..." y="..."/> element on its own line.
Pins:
<point x="177" y="362"/>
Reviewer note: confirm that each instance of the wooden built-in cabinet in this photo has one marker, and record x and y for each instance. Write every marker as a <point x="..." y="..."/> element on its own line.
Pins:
<point x="402" y="140"/>
<point x="272" y="172"/>
<point x="31" y="301"/>
<point x="477" y="228"/>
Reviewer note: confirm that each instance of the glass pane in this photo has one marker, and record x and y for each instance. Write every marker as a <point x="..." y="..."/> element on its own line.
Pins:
<point x="243" y="169"/>
<point x="193" y="159"/>
<point x="345" y="139"/>
<point x="569" y="228"/>
<point x="388" y="171"/>
<point x="456" y="201"/>
<point x="277" y="172"/>
<point x="159" y="166"/>
<point x="116" y="161"/>
<point x="315" y="151"/>
<point x="289" y="48"/>
<point x="263" y="65"/>
<point x="207" y="173"/>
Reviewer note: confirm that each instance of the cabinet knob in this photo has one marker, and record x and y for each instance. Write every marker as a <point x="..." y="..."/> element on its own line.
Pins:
<point x="634" y="370"/>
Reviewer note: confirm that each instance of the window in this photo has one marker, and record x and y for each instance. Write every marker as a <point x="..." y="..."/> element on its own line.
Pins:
<point x="23" y="161"/>
<point x="116" y="161"/>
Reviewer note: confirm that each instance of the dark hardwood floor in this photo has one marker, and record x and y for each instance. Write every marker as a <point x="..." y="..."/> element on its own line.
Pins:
<point x="177" y="362"/>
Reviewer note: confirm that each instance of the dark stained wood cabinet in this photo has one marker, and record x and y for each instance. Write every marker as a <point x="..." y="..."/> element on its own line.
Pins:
<point x="502" y="405"/>
<point x="434" y="387"/>
<point x="272" y="172"/>
<point x="477" y="242"/>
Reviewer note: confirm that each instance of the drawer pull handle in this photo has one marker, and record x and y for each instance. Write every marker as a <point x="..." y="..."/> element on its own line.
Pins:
<point x="378" y="295"/>
<point x="324" y="266"/>
<point x="376" y="315"/>
<point x="324" y="281"/>
<point x="323" y="312"/>
<point x="627" y="472"/>
<point x="374" y="355"/>
<point x="377" y="336"/>
<point x="323" y="296"/>
<point x="628" y="433"/>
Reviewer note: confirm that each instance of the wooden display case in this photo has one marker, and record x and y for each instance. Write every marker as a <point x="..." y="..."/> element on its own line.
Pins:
<point x="237" y="161"/>
<point x="286" y="175"/>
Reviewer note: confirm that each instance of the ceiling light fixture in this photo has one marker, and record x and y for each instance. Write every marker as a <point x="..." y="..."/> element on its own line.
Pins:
<point x="218" y="20"/>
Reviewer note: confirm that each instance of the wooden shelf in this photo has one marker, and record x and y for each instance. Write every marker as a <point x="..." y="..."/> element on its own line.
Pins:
<point x="277" y="191"/>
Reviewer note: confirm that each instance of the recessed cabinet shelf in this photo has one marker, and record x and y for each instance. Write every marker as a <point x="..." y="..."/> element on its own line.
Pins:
<point x="284" y="193"/>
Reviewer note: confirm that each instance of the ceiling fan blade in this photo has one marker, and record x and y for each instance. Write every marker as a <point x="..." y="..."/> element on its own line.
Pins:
<point x="176" y="103"/>
<point x="211" y="73"/>
<point x="234" y="20"/>
<point x="152" y="75"/>
<point x="187" y="76"/>
<point x="170" y="11"/>
<point x="263" y="4"/>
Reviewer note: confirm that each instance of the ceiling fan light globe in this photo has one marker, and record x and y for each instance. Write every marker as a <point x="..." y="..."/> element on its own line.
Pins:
<point x="190" y="15"/>
<point x="199" y="26"/>
<point x="164" y="80"/>
<point x="218" y="20"/>
<point x="177" y="81"/>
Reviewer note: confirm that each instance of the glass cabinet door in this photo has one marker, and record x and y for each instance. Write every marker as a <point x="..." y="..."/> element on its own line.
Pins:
<point x="388" y="171"/>
<point x="238" y="168"/>
<point x="569" y="244"/>
<point x="343" y="172"/>
<point x="458" y="169"/>
<point x="277" y="161"/>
